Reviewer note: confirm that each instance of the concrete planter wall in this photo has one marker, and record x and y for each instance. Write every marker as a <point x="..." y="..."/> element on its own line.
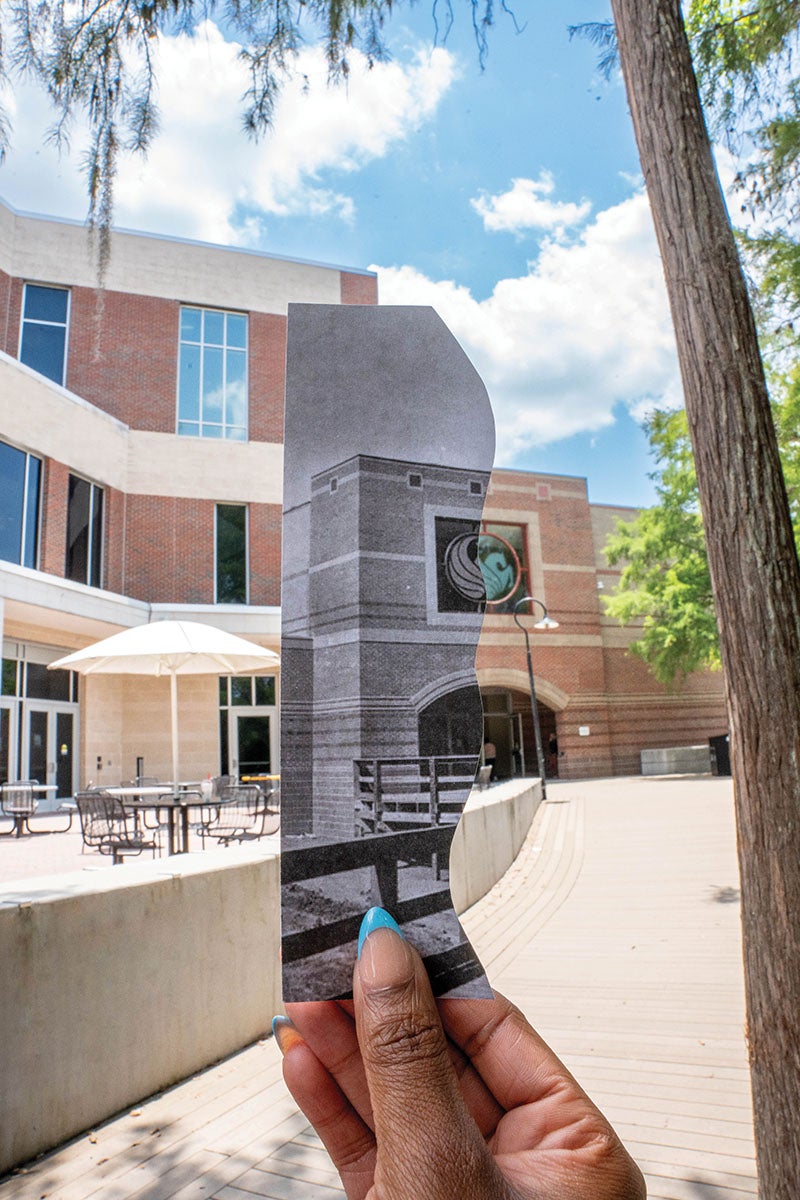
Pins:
<point x="677" y="760"/>
<point x="119" y="982"/>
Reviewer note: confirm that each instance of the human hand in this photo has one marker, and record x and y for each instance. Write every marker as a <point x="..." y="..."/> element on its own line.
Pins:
<point x="460" y="1101"/>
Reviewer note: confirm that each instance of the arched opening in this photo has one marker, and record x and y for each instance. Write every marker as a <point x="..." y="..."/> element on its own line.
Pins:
<point x="452" y="724"/>
<point x="508" y="725"/>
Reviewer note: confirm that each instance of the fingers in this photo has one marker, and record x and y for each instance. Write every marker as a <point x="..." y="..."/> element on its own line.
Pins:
<point x="348" y="1140"/>
<point x="328" y="1027"/>
<point x="429" y="1146"/>
<point x="331" y="1033"/>
<point x="514" y="1062"/>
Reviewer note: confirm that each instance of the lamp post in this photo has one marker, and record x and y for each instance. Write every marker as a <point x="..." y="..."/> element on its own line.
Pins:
<point x="546" y="622"/>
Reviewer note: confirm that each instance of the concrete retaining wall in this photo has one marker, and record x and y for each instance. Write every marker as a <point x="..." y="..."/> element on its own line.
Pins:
<point x="493" y="827"/>
<point x="677" y="760"/>
<point x="118" y="982"/>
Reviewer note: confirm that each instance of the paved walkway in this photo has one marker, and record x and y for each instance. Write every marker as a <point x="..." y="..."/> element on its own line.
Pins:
<point x="617" y="931"/>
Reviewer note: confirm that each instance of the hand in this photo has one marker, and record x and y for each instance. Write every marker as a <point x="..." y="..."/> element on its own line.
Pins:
<point x="463" y="1101"/>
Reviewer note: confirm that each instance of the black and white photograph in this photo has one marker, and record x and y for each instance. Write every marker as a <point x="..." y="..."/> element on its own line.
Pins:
<point x="389" y="441"/>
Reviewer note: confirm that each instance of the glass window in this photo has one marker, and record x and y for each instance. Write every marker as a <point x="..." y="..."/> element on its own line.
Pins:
<point x="84" y="557"/>
<point x="9" y="677"/>
<point x="42" y="684"/>
<point x="20" y="500"/>
<point x="231" y="557"/>
<point x="264" y="686"/>
<point x="43" y="336"/>
<point x="459" y="583"/>
<point x="504" y="563"/>
<point x="212" y="374"/>
<point x="241" y="690"/>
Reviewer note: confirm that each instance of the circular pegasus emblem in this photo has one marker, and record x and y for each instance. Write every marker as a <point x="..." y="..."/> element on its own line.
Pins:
<point x="482" y="566"/>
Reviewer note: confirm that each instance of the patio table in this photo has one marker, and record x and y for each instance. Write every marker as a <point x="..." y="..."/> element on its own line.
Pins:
<point x="176" y="799"/>
<point x="21" y="818"/>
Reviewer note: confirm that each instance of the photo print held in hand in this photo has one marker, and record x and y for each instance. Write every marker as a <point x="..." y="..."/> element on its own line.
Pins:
<point x="388" y="447"/>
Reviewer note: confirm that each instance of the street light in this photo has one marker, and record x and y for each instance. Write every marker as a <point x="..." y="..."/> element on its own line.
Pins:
<point x="546" y="622"/>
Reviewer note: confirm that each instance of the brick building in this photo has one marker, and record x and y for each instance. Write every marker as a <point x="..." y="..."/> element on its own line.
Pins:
<point x="599" y="706"/>
<point x="141" y="477"/>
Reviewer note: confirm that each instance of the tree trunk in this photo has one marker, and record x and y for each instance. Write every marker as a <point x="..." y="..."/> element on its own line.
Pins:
<point x="751" y="551"/>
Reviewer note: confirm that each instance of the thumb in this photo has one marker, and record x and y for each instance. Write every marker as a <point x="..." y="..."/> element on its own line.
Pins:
<point x="428" y="1145"/>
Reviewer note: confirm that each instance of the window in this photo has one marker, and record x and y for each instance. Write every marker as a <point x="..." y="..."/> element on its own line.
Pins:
<point x="43" y="337"/>
<point x="231" y="554"/>
<point x="504" y="562"/>
<point x="84" y="558"/>
<point x="212" y="374"/>
<point x="20" y="502"/>
<point x="459" y="583"/>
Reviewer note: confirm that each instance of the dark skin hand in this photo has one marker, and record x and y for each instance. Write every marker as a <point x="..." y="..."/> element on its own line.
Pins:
<point x="460" y="1100"/>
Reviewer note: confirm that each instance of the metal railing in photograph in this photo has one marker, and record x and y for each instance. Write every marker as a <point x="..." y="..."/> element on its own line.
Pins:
<point x="394" y="793"/>
<point x="386" y="853"/>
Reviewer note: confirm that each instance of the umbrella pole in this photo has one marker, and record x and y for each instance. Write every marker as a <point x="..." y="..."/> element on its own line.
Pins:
<point x="173" y="696"/>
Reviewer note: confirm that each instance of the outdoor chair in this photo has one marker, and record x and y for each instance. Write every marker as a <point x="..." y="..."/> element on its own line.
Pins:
<point x="207" y="814"/>
<point x="107" y="827"/>
<point x="241" y="816"/>
<point x="19" y="803"/>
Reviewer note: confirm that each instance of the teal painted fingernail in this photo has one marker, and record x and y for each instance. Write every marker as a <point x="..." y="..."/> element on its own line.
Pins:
<point x="376" y="918"/>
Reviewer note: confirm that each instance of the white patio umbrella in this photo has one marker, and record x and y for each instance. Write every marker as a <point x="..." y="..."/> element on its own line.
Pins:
<point x="171" y="648"/>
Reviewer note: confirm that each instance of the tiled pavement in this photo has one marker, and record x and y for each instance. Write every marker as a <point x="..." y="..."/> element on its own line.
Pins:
<point x="616" y="930"/>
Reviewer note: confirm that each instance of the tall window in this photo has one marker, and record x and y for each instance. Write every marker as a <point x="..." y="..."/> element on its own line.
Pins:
<point x="43" y="338"/>
<point x="504" y="551"/>
<point x="231" y="554"/>
<point x="20" y="501"/>
<point x="84" y="558"/>
<point x="212" y="374"/>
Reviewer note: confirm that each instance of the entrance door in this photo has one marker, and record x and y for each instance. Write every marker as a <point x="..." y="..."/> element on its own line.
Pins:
<point x="48" y="745"/>
<point x="252" y="748"/>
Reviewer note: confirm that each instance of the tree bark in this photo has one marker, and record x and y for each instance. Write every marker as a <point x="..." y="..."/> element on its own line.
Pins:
<point x="752" y="557"/>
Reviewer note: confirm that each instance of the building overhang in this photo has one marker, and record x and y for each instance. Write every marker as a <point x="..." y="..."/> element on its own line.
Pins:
<point x="73" y="615"/>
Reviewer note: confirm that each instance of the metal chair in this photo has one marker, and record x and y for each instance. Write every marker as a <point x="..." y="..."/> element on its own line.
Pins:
<point x="107" y="827"/>
<point x="242" y="815"/>
<point x="19" y="803"/>
<point x="207" y="814"/>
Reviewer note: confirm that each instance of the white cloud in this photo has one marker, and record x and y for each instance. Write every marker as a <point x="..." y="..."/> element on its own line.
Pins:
<point x="528" y="205"/>
<point x="586" y="329"/>
<point x="202" y="172"/>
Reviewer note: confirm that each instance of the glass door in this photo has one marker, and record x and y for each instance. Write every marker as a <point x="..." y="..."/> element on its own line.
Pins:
<point x="252" y="742"/>
<point x="48" y="745"/>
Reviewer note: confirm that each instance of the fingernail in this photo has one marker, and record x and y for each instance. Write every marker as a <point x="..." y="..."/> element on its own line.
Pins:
<point x="385" y="960"/>
<point x="376" y="918"/>
<point x="285" y="1034"/>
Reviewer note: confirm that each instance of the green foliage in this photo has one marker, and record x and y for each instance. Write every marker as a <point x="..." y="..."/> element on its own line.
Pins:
<point x="745" y="53"/>
<point x="665" y="582"/>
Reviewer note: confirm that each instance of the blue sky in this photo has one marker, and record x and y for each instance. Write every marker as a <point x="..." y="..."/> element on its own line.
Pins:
<point x="508" y="197"/>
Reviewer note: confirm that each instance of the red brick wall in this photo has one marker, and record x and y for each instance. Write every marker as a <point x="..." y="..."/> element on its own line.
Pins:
<point x="169" y="551"/>
<point x="358" y="289"/>
<point x="5" y="311"/>
<point x="11" y="326"/>
<point x="267" y="369"/>
<point x="123" y="356"/>
<point x="611" y="691"/>
<point x="53" y="538"/>
<point x="115" y="535"/>
<point x="265" y="553"/>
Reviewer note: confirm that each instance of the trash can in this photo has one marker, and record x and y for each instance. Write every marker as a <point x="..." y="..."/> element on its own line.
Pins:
<point x="720" y="747"/>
